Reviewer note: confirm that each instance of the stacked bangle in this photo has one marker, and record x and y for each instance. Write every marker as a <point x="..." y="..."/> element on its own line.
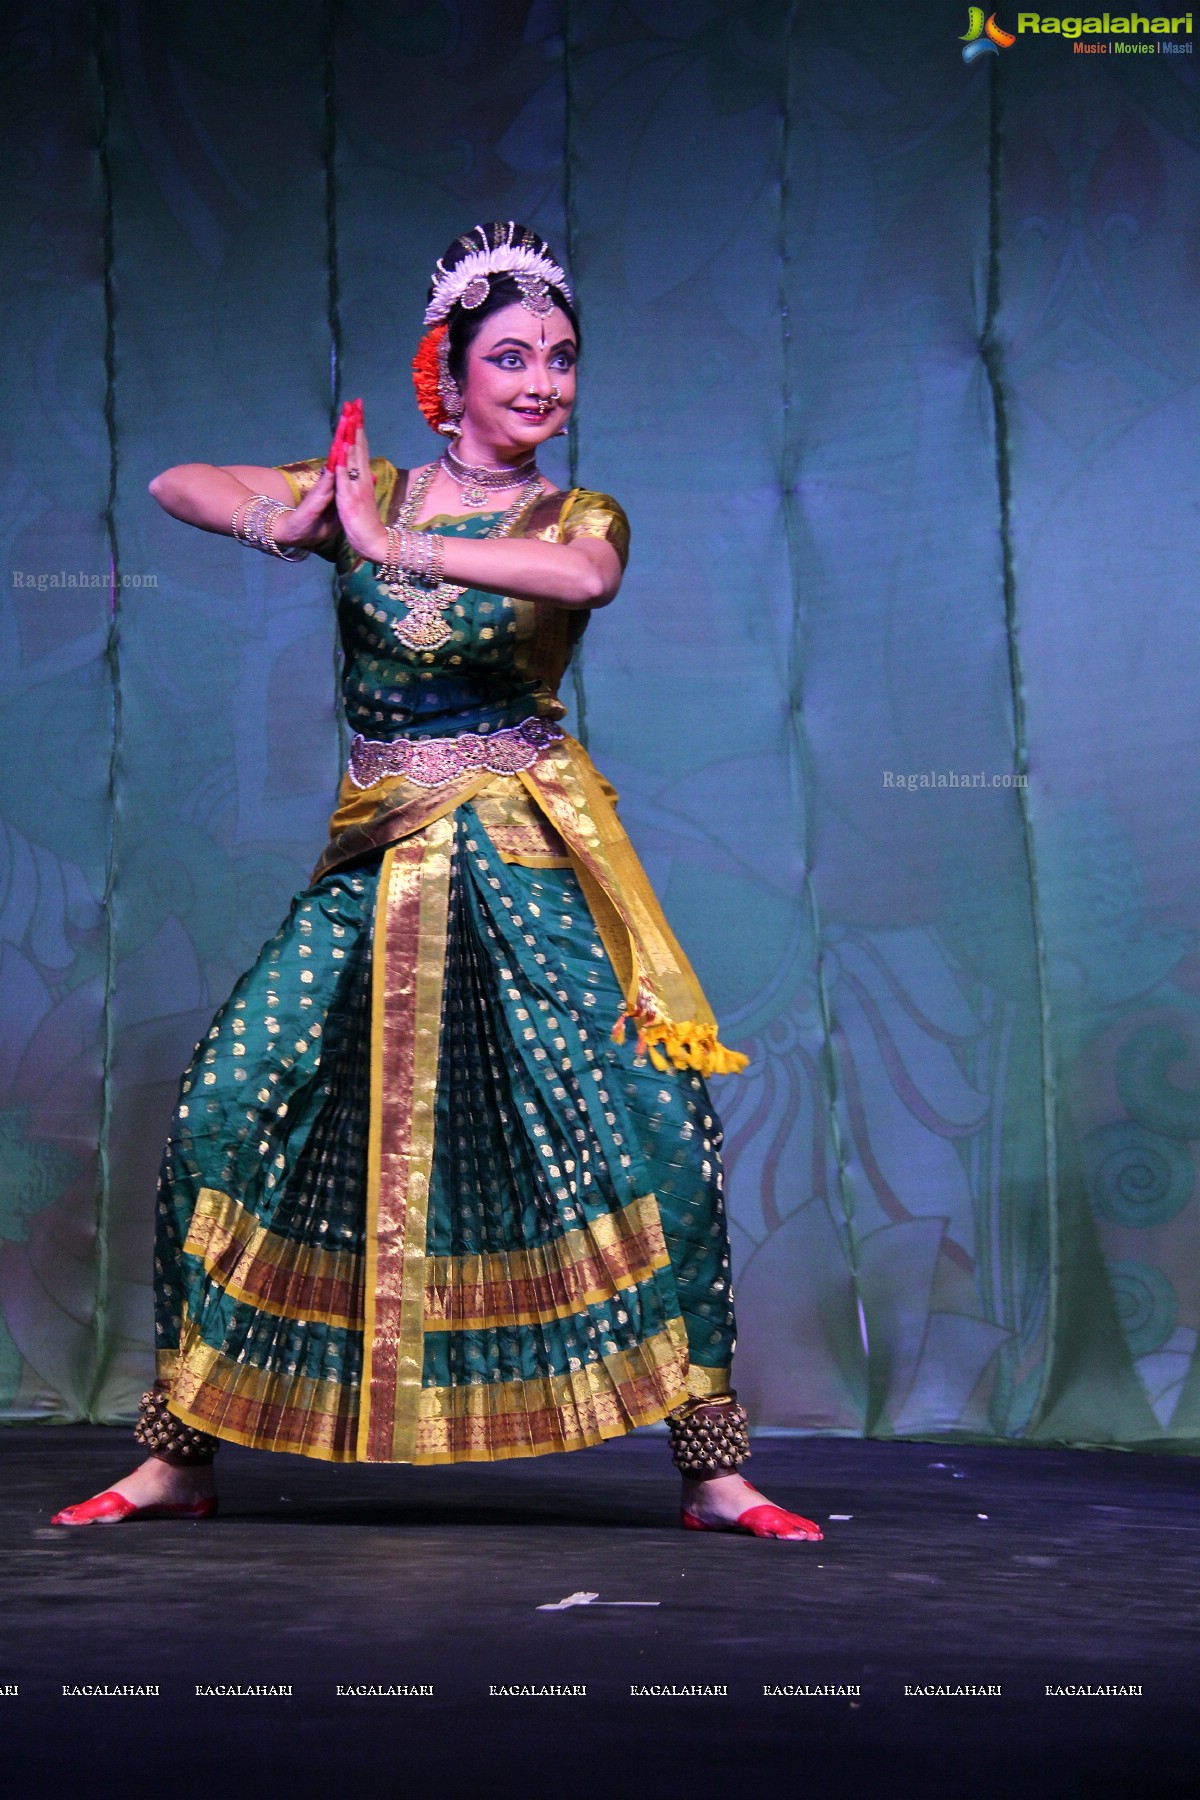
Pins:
<point x="254" y="522"/>
<point x="420" y="555"/>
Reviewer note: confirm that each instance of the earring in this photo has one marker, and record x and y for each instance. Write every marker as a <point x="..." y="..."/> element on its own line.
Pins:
<point x="450" y="399"/>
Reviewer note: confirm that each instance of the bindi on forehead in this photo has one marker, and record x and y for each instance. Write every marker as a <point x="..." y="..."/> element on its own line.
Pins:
<point x="516" y="343"/>
<point x="513" y="325"/>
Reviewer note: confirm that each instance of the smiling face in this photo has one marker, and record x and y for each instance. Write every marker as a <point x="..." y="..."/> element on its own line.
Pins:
<point x="514" y="365"/>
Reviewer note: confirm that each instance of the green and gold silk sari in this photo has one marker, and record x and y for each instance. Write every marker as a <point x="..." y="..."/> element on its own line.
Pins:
<point x="422" y="1199"/>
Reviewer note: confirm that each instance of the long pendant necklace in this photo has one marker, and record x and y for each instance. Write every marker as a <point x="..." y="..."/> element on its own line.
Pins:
<point x="477" y="483"/>
<point x="424" y="627"/>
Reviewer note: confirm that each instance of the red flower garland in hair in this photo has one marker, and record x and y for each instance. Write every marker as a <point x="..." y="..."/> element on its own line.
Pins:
<point x="425" y="374"/>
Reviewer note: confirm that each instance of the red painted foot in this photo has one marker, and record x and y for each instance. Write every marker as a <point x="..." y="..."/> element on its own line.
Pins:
<point x="110" y="1508"/>
<point x="764" y="1521"/>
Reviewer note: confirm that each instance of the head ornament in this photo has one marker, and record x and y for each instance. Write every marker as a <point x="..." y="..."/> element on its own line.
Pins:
<point x="468" y="282"/>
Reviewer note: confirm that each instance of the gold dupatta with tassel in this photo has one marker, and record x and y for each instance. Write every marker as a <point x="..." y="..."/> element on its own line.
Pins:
<point x="561" y="811"/>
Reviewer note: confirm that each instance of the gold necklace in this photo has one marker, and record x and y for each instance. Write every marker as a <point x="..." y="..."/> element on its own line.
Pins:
<point x="477" y="482"/>
<point x="425" y="626"/>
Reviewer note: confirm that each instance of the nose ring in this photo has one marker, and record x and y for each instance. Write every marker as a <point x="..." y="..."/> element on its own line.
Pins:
<point x="543" y="402"/>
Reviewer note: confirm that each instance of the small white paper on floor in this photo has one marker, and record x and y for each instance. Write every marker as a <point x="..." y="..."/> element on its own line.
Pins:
<point x="582" y="1598"/>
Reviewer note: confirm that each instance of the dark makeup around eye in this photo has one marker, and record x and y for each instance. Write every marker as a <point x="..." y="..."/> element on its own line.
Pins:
<point x="520" y="344"/>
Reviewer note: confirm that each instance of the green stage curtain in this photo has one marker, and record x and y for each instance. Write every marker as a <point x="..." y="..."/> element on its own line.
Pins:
<point x="891" y="358"/>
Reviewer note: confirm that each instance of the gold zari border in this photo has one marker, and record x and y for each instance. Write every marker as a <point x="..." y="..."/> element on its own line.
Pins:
<point x="519" y="830"/>
<point x="265" y="1410"/>
<point x="482" y="1422"/>
<point x="703" y="1383"/>
<point x="407" y="978"/>
<point x="263" y="1269"/>
<point x="475" y="1423"/>
<point x="479" y="1422"/>
<point x="583" y="1267"/>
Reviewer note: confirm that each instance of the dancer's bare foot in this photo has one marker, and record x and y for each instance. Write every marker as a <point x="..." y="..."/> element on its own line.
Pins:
<point x="722" y="1500"/>
<point x="158" y="1483"/>
<point x="152" y="1483"/>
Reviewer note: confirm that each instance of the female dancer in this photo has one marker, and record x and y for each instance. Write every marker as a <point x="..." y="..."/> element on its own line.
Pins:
<point x="422" y="1200"/>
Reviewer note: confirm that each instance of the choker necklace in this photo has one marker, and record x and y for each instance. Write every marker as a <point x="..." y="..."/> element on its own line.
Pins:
<point x="477" y="482"/>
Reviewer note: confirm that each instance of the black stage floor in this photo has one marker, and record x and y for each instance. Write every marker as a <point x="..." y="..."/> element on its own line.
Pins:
<point x="958" y="1566"/>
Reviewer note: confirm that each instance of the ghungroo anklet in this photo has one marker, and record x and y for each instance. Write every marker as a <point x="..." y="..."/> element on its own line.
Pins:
<point x="163" y="1435"/>
<point x="709" y="1437"/>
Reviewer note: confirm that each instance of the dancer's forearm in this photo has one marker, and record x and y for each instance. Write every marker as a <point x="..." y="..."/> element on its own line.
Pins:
<point x="206" y="495"/>
<point x="585" y="573"/>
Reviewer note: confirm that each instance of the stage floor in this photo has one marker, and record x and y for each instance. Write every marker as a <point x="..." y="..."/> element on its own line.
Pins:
<point x="957" y="1566"/>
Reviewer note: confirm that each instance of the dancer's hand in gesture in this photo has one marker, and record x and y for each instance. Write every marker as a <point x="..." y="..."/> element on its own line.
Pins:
<point x="355" y="494"/>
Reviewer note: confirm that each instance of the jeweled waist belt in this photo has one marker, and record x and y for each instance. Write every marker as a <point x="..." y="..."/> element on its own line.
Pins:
<point x="433" y="761"/>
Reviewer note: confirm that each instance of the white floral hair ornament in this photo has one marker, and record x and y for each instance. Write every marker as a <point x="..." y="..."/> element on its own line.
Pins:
<point x="468" y="281"/>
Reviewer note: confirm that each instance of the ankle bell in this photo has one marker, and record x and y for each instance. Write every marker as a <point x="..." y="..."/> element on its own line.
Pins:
<point x="709" y="1437"/>
<point x="163" y="1435"/>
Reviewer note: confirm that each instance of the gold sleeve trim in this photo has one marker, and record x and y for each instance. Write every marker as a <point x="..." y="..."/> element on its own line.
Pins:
<point x="588" y="514"/>
<point x="301" y="476"/>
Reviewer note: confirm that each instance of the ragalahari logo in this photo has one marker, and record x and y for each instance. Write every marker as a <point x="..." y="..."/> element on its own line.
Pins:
<point x="984" y="37"/>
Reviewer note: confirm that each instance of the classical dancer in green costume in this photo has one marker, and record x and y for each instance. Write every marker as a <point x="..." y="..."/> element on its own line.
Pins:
<point x="444" y="1180"/>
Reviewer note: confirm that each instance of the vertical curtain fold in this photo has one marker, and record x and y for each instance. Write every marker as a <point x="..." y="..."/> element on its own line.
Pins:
<point x="102" y="77"/>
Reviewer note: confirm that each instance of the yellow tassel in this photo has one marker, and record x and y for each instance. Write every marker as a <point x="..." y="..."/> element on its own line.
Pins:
<point x="688" y="1046"/>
